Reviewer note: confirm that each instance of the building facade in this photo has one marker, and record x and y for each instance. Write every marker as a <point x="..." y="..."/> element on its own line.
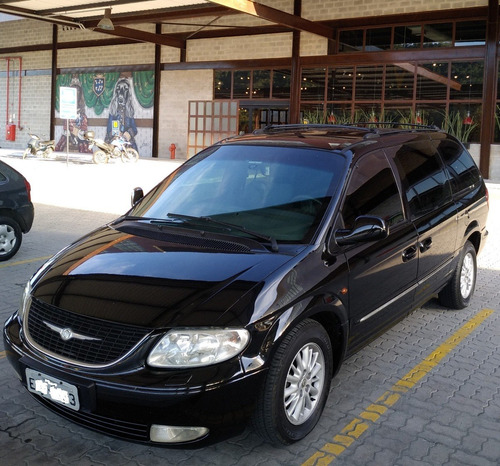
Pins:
<point x="393" y="62"/>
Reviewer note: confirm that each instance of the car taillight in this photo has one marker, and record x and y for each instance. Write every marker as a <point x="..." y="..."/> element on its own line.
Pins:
<point x="28" y="189"/>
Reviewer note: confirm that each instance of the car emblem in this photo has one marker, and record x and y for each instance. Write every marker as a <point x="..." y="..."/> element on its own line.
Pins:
<point x="67" y="334"/>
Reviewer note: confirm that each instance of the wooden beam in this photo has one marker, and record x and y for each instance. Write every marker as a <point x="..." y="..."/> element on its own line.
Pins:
<point x="277" y="16"/>
<point x="143" y="36"/>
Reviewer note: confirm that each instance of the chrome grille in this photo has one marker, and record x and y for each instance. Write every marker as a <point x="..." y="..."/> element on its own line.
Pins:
<point x="107" y="341"/>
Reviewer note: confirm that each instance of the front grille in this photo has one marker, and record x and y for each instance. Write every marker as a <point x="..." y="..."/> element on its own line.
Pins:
<point x="112" y="340"/>
<point x="110" y="426"/>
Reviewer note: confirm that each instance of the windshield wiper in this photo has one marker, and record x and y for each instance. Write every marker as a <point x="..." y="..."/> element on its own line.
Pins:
<point x="229" y="226"/>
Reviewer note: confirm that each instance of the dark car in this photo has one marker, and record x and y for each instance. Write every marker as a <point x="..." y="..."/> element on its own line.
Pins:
<point x="237" y="286"/>
<point x="16" y="210"/>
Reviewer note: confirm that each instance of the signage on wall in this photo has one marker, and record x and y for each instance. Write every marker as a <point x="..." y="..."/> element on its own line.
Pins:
<point x="67" y="105"/>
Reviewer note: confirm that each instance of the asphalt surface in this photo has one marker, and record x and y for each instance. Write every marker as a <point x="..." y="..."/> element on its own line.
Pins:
<point x="427" y="392"/>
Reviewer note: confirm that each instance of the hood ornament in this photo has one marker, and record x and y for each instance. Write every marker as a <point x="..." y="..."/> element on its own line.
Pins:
<point x="67" y="334"/>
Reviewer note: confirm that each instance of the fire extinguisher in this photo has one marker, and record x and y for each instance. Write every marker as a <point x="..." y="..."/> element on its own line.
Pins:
<point x="172" y="151"/>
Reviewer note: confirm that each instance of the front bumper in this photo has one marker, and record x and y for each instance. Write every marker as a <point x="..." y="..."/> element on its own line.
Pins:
<point x="126" y="405"/>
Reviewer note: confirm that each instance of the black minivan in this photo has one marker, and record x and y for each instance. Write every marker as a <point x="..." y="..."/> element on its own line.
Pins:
<point x="235" y="288"/>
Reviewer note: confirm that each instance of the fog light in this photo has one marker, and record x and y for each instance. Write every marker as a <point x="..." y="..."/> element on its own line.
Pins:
<point x="176" y="434"/>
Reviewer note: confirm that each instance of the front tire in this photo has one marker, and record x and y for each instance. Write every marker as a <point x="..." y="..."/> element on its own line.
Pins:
<point x="459" y="290"/>
<point x="100" y="157"/>
<point x="130" y="155"/>
<point x="296" y="387"/>
<point x="11" y="237"/>
<point x="26" y="153"/>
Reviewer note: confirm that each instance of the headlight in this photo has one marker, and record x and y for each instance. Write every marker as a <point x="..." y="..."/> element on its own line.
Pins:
<point x="25" y="303"/>
<point x="198" y="347"/>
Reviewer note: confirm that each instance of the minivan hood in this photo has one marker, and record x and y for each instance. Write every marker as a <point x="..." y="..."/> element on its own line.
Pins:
<point x="138" y="280"/>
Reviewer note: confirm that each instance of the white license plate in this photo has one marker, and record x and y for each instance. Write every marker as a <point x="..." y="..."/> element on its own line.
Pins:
<point x="53" y="389"/>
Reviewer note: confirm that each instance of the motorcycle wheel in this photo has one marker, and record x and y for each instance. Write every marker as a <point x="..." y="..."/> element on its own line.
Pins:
<point x="26" y="153"/>
<point x="100" y="157"/>
<point x="130" y="155"/>
<point x="48" y="152"/>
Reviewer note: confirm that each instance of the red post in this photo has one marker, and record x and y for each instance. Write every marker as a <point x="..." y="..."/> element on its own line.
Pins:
<point x="172" y="151"/>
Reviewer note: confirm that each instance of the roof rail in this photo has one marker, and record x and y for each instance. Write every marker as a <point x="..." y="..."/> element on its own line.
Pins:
<point x="394" y="124"/>
<point x="297" y="127"/>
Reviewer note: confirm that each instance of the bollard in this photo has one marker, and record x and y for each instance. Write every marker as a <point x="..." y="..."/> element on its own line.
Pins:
<point x="172" y="151"/>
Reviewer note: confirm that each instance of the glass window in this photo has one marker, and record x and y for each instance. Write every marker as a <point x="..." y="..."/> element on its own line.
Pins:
<point x="241" y="86"/>
<point x="432" y="81"/>
<point x="351" y="41"/>
<point x="438" y="35"/>
<point x="468" y="77"/>
<point x="378" y="39"/>
<point x="281" y="84"/>
<point x="261" y="85"/>
<point x="470" y="33"/>
<point x="340" y="83"/>
<point x="281" y="192"/>
<point x="312" y="114"/>
<point x="222" y="85"/>
<point x="312" y="84"/>
<point x="339" y="114"/>
<point x="462" y="169"/>
<point x="372" y="190"/>
<point x="407" y="37"/>
<point x="426" y="184"/>
<point x="399" y="81"/>
<point x="369" y="82"/>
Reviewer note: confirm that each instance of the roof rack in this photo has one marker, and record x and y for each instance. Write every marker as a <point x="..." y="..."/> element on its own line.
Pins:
<point x="296" y="127"/>
<point x="368" y="126"/>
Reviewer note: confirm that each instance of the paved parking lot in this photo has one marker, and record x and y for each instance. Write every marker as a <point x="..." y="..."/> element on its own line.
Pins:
<point x="427" y="392"/>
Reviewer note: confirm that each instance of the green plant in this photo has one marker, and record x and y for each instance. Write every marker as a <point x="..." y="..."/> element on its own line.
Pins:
<point x="453" y="123"/>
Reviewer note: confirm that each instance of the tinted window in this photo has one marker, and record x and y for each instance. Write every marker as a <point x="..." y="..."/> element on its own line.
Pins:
<point x="463" y="171"/>
<point x="425" y="181"/>
<point x="277" y="191"/>
<point x="372" y="190"/>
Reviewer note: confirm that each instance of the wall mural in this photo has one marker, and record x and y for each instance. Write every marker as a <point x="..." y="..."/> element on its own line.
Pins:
<point x="110" y="104"/>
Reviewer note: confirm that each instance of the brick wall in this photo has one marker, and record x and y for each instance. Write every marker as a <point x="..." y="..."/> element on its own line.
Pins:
<point x="177" y="89"/>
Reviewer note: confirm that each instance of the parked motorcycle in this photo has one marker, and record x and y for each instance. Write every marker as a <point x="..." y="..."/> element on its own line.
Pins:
<point x="118" y="147"/>
<point x="38" y="147"/>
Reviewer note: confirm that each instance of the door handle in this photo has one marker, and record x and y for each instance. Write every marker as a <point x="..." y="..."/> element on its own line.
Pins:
<point x="425" y="244"/>
<point x="409" y="254"/>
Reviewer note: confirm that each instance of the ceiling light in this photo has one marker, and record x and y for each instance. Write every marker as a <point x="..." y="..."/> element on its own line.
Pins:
<point x="106" y="22"/>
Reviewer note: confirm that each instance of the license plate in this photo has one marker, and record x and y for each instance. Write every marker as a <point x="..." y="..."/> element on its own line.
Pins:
<point x="53" y="389"/>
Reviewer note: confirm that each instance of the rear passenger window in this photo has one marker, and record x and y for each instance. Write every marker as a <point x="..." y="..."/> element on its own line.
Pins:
<point x="463" y="171"/>
<point x="425" y="181"/>
<point x="372" y="190"/>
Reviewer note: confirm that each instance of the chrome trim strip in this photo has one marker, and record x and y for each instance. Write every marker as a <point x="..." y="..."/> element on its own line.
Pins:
<point x="393" y="300"/>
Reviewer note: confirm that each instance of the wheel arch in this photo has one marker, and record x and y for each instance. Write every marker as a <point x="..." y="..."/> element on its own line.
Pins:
<point x="332" y="317"/>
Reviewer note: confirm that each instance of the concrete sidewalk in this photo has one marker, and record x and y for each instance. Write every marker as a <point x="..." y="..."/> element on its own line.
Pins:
<point x="80" y="184"/>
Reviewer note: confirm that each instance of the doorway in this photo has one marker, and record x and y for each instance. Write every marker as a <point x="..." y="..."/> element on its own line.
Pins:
<point x="256" y="115"/>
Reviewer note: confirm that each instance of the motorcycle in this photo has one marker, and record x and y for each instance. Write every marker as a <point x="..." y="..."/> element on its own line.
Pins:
<point x="38" y="147"/>
<point x="103" y="151"/>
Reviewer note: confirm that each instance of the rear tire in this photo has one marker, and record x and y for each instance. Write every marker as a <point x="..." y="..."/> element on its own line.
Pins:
<point x="11" y="237"/>
<point x="130" y="155"/>
<point x="296" y="388"/>
<point x="459" y="290"/>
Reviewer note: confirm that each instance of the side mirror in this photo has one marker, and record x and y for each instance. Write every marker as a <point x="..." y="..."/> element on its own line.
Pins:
<point x="366" y="228"/>
<point x="137" y="195"/>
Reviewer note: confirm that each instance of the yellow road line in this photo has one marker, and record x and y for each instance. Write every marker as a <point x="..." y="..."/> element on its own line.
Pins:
<point x="26" y="261"/>
<point x="2" y="354"/>
<point x="350" y="433"/>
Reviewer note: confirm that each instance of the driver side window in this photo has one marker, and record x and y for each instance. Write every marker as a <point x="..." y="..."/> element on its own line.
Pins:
<point x="372" y="190"/>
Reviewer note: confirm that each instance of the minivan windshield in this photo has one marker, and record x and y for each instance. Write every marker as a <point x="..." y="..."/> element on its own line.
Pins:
<point x="279" y="192"/>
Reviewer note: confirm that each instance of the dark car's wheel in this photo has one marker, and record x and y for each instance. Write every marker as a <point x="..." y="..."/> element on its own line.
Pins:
<point x="459" y="290"/>
<point x="10" y="238"/>
<point x="297" y="385"/>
